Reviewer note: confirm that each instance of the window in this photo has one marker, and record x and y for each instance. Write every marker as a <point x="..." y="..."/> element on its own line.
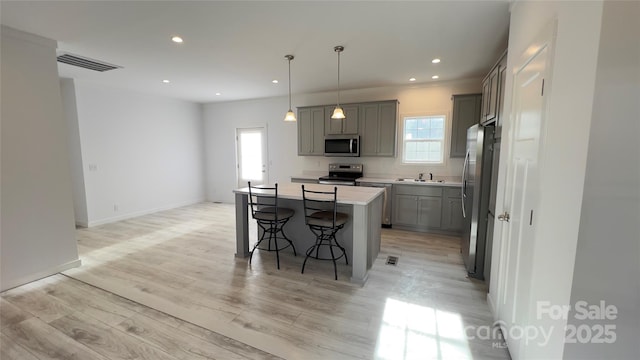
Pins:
<point x="423" y="139"/>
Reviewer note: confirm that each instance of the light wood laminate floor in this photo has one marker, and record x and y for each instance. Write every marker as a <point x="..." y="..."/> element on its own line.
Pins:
<point x="167" y="286"/>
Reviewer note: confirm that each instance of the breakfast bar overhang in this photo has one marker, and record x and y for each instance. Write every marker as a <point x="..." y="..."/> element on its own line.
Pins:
<point x="360" y="236"/>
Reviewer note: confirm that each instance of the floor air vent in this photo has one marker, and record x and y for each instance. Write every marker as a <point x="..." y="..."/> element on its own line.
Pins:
<point x="392" y="260"/>
<point x="86" y="63"/>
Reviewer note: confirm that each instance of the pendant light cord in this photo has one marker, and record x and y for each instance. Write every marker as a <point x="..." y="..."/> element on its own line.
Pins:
<point x="339" y="77"/>
<point x="289" y="83"/>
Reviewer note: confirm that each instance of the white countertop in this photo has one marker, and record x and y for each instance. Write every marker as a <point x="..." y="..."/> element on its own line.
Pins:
<point x="417" y="183"/>
<point x="308" y="176"/>
<point x="352" y="195"/>
<point x="386" y="180"/>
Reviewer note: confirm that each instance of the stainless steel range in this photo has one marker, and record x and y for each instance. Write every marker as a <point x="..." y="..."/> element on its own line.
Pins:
<point x="342" y="174"/>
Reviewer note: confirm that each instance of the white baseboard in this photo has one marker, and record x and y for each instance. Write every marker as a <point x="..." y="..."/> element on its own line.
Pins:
<point x="6" y="285"/>
<point x="142" y="212"/>
<point x="83" y="224"/>
<point x="492" y="306"/>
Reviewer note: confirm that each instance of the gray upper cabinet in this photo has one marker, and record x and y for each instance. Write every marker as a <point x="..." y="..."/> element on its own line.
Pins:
<point x="349" y="125"/>
<point x="378" y="128"/>
<point x="492" y="92"/>
<point x="502" y="77"/>
<point x="490" y="96"/>
<point x="311" y="130"/>
<point x="375" y="122"/>
<point x="466" y="112"/>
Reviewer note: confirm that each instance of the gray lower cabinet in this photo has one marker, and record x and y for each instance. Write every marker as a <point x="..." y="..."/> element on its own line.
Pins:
<point x="311" y="130"/>
<point x="427" y="208"/>
<point x="452" y="210"/>
<point x="405" y="210"/>
<point x="417" y="207"/>
<point x="349" y="125"/>
<point x="466" y="112"/>
<point x="430" y="211"/>
<point x="378" y="128"/>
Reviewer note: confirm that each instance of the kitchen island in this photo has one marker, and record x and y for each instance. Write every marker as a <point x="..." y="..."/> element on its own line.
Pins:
<point x="360" y="236"/>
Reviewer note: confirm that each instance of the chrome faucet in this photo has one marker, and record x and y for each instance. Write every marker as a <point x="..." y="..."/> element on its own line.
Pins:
<point x="420" y="175"/>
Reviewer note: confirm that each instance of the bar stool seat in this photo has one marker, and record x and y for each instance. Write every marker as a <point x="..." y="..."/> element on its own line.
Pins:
<point x="272" y="214"/>
<point x="325" y="219"/>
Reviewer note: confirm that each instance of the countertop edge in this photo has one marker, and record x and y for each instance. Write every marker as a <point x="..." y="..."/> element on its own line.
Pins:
<point x="370" y="197"/>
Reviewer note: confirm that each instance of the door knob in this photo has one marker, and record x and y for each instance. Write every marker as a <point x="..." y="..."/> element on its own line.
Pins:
<point x="504" y="216"/>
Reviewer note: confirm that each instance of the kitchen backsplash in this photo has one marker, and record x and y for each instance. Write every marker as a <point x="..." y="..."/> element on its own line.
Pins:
<point x="383" y="167"/>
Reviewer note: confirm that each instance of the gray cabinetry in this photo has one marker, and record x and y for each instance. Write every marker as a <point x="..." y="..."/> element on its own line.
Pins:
<point x="311" y="130"/>
<point x="375" y="122"/>
<point x="417" y="207"/>
<point x="427" y="208"/>
<point x="378" y="128"/>
<point x="349" y="125"/>
<point x="490" y="96"/>
<point x="492" y="92"/>
<point x="466" y="112"/>
<point x="502" y="77"/>
<point x="405" y="210"/>
<point x="430" y="211"/>
<point x="452" y="219"/>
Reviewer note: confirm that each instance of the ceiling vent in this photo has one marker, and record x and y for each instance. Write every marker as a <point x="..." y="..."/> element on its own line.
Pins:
<point x="86" y="63"/>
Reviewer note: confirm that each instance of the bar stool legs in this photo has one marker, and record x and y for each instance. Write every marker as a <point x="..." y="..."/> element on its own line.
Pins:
<point x="326" y="237"/>
<point x="272" y="228"/>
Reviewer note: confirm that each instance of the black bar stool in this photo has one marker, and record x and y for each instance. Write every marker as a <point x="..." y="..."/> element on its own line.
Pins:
<point x="270" y="218"/>
<point x="322" y="216"/>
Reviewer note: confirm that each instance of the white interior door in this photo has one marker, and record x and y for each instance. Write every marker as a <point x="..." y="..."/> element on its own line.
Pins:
<point x="252" y="156"/>
<point x="521" y="195"/>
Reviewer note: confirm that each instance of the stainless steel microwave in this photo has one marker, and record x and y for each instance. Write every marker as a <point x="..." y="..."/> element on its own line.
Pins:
<point x="342" y="145"/>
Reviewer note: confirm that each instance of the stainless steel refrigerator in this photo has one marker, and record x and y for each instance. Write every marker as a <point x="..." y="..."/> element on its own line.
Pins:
<point x="476" y="192"/>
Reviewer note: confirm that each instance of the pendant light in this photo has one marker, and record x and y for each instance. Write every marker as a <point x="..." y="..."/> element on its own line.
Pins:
<point x="337" y="112"/>
<point x="290" y="115"/>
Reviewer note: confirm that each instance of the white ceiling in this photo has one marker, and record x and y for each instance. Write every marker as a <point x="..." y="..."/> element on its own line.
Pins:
<point x="237" y="47"/>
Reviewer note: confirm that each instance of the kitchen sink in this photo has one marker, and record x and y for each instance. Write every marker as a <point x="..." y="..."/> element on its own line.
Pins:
<point x="420" y="180"/>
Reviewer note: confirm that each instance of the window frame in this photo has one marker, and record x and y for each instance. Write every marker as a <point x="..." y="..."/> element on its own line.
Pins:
<point x="443" y="141"/>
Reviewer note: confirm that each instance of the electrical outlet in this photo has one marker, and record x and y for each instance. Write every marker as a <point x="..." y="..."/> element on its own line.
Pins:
<point x="116" y="207"/>
<point x="93" y="167"/>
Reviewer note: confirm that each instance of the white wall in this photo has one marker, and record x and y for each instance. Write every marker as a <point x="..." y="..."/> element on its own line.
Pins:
<point x="563" y="161"/>
<point x="68" y="90"/>
<point x="37" y="229"/>
<point x="140" y="153"/>
<point x="608" y="253"/>
<point x="221" y="120"/>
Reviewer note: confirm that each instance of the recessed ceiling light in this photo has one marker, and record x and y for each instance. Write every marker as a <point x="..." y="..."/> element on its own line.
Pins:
<point x="218" y="94"/>
<point x="412" y="79"/>
<point x="166" y="81"/>
<point x="435" y="61"/>
<point x="274" y="81"/>
<point x="435" y="77"/>
<point x="177" y="39"/>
